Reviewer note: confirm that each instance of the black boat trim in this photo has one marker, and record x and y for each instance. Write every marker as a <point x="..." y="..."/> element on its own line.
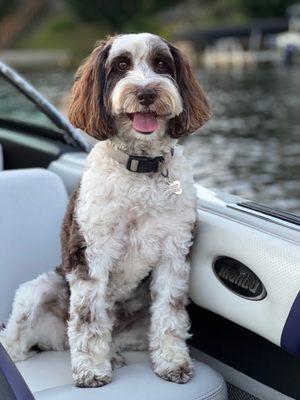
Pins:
<point x="244" y="351"/>
<point x="272" y="212"/>
<point x="20" y="126"/>
<point x="12" y="384"/>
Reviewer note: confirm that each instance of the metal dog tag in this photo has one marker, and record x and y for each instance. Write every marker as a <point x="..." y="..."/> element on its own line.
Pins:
<point x="174" y="187"/>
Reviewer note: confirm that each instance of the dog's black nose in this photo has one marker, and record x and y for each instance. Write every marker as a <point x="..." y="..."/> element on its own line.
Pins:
<point x="147" y="96"/>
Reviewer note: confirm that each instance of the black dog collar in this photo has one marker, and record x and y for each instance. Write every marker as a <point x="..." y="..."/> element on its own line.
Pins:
<point x="143" y="164"/>
<point x="139" y="164"/>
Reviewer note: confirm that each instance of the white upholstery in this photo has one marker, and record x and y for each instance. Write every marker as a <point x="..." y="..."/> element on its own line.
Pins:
<point x="272" y="257"/>
<point x="135" y="381"/>
<point x="32" y="205"/>
<point x="70" y="168"/>
<point x="53" y="368"/>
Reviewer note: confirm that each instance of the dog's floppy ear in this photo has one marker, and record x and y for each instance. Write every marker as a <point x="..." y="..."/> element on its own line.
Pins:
<point x="88" y="108"/>
<point x="196" y="110"/>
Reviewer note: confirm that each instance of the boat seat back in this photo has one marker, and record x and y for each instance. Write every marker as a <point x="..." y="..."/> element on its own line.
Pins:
<point x="32" y="205"/>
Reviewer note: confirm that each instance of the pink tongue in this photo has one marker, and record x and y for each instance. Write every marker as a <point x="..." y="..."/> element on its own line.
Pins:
<point x="144" y="122"/>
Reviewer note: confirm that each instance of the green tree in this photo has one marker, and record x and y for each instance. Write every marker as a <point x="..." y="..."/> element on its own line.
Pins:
<point x="266" y="8"/>
<point x="6" y="6"/>
<point x="119" y="13"/>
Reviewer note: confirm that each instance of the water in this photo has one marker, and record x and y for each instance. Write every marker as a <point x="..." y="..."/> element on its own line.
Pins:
<point x="250" y="148"/>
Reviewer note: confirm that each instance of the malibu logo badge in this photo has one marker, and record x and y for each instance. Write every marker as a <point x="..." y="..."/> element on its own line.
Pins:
<point x="238" y="278"/>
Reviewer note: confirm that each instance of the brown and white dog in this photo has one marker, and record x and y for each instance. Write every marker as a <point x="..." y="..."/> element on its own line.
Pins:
<point x="128" y="229"/>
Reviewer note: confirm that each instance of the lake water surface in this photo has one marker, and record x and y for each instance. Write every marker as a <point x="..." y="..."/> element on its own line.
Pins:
<point x="250" y="148"/>
<point x="252" y="145"/>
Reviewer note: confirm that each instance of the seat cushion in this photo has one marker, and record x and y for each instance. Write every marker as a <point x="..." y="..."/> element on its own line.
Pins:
<point x="32" y="206"/>
<point x="48" y="375"/>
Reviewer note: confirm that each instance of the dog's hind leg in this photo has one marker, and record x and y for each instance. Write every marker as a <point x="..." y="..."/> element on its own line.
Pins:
<point x="132" y="324"/>
<point x="38" y="317"/>
<point x="132" y="336"/>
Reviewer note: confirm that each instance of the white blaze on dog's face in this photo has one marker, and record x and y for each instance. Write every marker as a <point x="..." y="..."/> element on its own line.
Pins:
<point x="145" y="94"/>
<point x="137" y="87"/>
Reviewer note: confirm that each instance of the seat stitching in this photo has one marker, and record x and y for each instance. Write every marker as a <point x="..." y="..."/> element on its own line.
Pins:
<point x="216" y="394"/>
<point x="211" y="394"/>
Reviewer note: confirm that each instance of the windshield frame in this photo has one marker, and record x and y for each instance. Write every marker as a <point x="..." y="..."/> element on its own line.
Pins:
<point x="70" y="134"/>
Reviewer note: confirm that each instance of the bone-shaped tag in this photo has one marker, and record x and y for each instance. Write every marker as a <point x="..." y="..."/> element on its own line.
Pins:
<point x="175" y="187"/>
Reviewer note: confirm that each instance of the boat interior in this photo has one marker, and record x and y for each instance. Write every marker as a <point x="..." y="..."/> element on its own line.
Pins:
<point x="244" y="289"/>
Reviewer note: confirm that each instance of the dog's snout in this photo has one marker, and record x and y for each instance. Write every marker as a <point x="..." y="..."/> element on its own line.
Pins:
<point x="147" y="96"/>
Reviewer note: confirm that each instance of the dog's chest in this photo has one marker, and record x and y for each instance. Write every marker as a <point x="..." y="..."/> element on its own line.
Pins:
<point x="130" y="216"/>
<point x="132" y="228"/>
<point x="134" y="216"/>
<point x="141" y="251"/>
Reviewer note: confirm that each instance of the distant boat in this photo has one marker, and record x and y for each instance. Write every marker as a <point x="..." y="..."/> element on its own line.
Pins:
<point x="288" y="43"/>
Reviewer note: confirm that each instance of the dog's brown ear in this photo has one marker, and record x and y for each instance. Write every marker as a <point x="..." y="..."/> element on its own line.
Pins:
<point x="88" y="108"/>
<point x="196" y="110"/>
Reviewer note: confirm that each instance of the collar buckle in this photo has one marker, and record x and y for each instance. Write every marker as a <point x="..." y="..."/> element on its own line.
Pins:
<point x="143" y="164"/>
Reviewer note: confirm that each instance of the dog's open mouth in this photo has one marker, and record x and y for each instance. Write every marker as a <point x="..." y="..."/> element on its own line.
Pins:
<point x="144" y="122"/>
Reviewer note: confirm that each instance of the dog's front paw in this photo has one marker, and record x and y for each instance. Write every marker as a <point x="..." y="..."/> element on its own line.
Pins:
<point x="178" y="374"/>
<point x="91" y="377"/>
<point x="172" y="362"/>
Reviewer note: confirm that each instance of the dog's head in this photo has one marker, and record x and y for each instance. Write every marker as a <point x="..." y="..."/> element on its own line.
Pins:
<point x="138" y="86"/>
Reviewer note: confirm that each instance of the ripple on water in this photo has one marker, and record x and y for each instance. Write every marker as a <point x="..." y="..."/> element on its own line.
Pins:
<point x="251" y="147"/>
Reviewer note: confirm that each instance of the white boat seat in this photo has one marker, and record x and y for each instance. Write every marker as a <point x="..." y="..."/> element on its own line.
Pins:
<point x="32" y="205"/>
<point x="48" y="375"/>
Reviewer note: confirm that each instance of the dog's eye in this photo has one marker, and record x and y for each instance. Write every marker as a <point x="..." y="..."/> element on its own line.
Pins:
<point x="123" y="65"/>
<point x="161" y="65"/>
